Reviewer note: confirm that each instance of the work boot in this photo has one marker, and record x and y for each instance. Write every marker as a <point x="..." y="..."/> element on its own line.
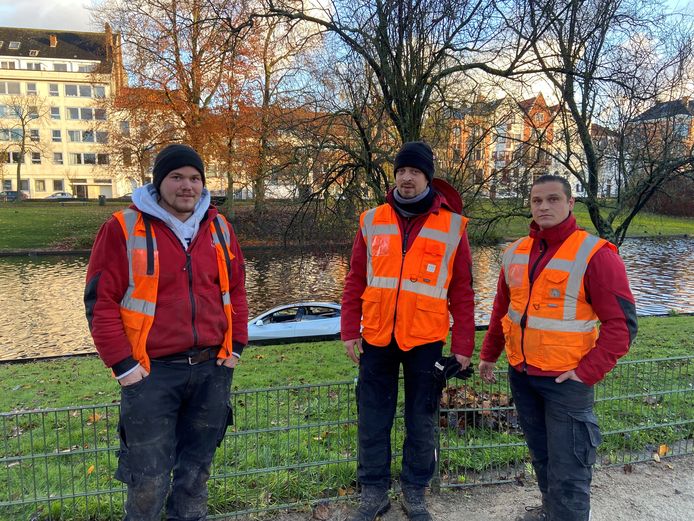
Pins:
<point x="374" y="502"/>
<point x="537" y="513"/>
<point x="414" y="504"/>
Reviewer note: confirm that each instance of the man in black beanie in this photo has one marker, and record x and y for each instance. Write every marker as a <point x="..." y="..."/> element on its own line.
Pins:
<point x="162" y="279"/>
<point x="410" y="267"/>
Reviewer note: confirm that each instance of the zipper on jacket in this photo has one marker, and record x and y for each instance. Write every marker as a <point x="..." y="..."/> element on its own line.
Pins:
<point x="189" y="269"/>
<point x="524" y="318"/>
<point x="402" y="267"/>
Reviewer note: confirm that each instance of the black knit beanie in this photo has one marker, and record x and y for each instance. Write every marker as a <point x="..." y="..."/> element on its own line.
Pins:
<point x="416" y="154"/>
<point x="172" y="157"/>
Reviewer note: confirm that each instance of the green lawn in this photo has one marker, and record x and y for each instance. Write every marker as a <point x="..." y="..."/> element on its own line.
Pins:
<point x="84" y="380"/>
<point x="73" y="225"/>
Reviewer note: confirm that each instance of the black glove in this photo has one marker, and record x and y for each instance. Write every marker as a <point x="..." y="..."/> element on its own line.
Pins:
<point x="448" y="367"/>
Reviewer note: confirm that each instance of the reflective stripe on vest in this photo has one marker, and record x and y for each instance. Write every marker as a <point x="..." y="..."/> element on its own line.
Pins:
<point x="138" y="305"/>
<point x="413" y="286"/>
<point x="560" y="325"/>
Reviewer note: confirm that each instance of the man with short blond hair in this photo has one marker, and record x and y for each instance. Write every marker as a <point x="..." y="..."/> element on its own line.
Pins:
<point x="554" y="287"/>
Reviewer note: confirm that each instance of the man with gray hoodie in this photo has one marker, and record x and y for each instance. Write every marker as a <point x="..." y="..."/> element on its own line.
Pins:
<point x="163" y="278"/>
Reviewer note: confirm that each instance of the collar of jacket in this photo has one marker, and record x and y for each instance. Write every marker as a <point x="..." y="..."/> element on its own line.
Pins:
<point x="555" y="234"/>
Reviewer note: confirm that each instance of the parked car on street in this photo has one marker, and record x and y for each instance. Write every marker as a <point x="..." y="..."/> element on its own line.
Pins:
<point x="297" y="321"/>
<point x="11" y="195"/>
<point x="57" y="196"/>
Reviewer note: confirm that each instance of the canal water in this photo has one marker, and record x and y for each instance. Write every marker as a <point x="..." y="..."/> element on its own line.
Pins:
<point x="43" y="314"/>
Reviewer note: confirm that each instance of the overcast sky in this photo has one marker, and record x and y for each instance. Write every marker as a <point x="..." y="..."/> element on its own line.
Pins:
<point x="73" y="14"/>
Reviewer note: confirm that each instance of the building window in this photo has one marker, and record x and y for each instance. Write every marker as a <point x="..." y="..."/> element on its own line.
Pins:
<point x="57" y="160"/>
<point x="10" y="134"/>
<point x="70" y="90"/>
<point x="24" y="185"/>
<point x="9" y="87"/>
<point x="14" y="46"/>
<point x="31" y="89"/>
<point x="53" y="89"/>
<point x="58" y="184"/>
<point x="86" y="68"/>
<point x="125" y="128"/>
<point x="39" y="185"/>
<point x="33" y="52"/>
<point x="99" y="91"/>
<point x="85" y="158"/>
<point x="33" y="66"/>
<point x="55" y="112"/>
<point x="86" y="113"/>
<point x="12" y="157"/>
<point x="101" y="137"/>
<point x="127" y="157"/>
<point x="60" y="67"/>
<point x="56" y="136"/>
<point x="102" y="181"/>
<point x="102" y="159"/>
<point x="34" y="134"/>
<point x="36" y="158"/>
<point x="7" y="184"/>
<point x="8" y="64"/>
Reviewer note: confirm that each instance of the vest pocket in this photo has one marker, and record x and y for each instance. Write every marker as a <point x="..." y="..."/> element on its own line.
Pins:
<point x="430" y="320"/>
<point x="371" y="308"/>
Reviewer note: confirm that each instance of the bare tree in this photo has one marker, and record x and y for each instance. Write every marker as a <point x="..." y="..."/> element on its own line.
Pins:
<point x="19" y="115"/>
<point x="610" y="61"/>
<point x="413" y="47"/>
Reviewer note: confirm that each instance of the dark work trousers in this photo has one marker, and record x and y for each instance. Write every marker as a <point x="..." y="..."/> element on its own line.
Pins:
<point x="562" y="433"/>
<point x="173" y="420"/>
<point x="377" y="396"/>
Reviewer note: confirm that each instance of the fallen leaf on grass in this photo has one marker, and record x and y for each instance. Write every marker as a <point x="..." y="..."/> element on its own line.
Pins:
<point x="90" y="470"/>
<point x="663" y="449"/>
<point x="656" y="458"/>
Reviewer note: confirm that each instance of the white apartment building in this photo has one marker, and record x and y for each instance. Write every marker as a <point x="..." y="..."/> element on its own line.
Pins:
<point x="56" y="83"/>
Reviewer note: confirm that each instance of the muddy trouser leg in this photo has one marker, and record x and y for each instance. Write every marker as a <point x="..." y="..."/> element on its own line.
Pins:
<point x="572" y="440"/>
<point x="377" y="396"/>
<point x="202" y="422"/>
<point x="421" y="399"/>
<point x="147" y="428"/>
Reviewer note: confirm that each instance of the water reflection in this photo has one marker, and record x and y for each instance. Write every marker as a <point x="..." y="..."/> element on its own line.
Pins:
<point x="43" y="314"/>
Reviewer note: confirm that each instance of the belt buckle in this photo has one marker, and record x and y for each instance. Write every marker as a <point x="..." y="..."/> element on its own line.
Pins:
<point x="194" y="359"/>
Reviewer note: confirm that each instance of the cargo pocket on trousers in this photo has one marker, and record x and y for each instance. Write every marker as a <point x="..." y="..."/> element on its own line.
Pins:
<point x="586" y="437"/>
<point x="123" y="473"/>
<point x="229" y="420"/>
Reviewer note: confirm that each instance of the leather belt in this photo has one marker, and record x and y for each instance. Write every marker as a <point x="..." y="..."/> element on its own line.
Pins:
<point x="192" y="357"/>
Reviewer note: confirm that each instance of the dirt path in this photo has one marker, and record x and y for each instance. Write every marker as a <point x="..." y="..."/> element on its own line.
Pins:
<point x="650" y="492"/>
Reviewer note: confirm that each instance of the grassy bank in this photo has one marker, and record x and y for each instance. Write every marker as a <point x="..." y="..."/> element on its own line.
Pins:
<point x="85" y="381"/>
<point x="68" y="226"/>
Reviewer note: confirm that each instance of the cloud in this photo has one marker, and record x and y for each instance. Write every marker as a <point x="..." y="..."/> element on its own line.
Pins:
<point x="42" y="14"/>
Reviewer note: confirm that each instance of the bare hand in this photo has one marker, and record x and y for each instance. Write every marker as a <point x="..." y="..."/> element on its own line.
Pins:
<point x="487" y="371"/>
<point x="138" y="374"/>
<point x="568" y="375"/>
<point x="228" y="362"/>
<point x="464" y="361"/>
<point x="351" y="347"/>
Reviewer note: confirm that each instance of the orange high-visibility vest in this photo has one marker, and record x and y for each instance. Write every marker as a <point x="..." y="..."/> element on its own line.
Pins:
<point x="550" y="324"/>
<point x="139" y="303"/>
<point x="406" y="295"/>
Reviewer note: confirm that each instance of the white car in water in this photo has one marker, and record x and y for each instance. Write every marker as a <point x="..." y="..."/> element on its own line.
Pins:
<point x="301" y="320"/>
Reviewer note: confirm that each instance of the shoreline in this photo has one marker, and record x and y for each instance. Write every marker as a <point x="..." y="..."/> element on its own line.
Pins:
<point x="479" y="327"/>
<point x="31" y="252"/>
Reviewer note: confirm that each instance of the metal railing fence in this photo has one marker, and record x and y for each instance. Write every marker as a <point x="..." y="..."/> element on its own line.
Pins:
<point x="291" y="446"/>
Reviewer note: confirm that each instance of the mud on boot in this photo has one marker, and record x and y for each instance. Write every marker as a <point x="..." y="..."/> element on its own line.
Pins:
<point x="374" y="502"/>
<point x="414" y="504"/>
